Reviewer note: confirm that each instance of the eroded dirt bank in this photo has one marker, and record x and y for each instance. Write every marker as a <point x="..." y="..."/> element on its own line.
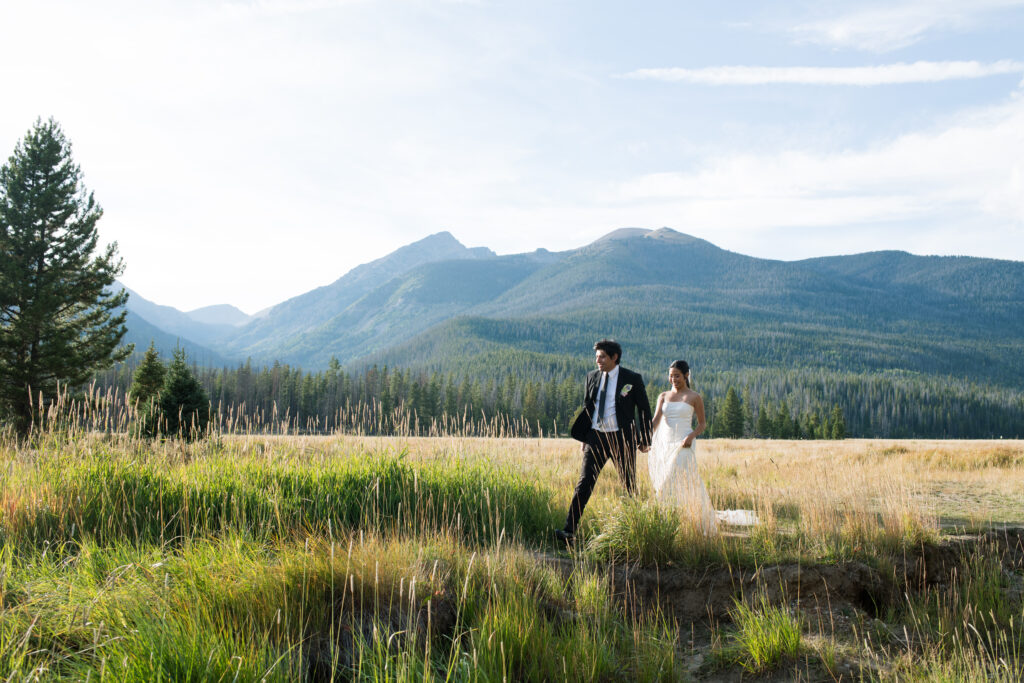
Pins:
<point x="692" y="595"/>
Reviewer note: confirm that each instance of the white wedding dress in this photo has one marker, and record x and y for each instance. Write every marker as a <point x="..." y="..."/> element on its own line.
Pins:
<point x="674" y="474"/>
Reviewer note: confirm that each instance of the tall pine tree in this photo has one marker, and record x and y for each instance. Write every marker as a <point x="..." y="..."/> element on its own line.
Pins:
<point x="60" y="318"/>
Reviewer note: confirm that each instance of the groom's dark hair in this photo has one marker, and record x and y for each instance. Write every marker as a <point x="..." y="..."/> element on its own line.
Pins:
<point x="611" y="347"/>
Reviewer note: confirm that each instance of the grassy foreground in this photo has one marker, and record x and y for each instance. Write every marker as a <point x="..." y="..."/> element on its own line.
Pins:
<point x="336" y="558"/>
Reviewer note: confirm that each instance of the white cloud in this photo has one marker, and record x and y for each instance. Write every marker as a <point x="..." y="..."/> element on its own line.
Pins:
<point x="955" y="189"/>
<point x="896" y="25"/>
<point x="969" y="172"/>
<point x="886" y="74"/>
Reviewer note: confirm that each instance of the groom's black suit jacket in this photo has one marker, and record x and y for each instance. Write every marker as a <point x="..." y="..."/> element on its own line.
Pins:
<point x="635" y="432"/>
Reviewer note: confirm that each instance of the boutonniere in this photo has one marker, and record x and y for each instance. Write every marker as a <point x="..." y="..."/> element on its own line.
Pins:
<point x="625" y="390"/>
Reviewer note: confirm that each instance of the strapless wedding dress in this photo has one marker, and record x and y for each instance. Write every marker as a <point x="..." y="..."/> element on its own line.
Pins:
<point x="674" y="474"/>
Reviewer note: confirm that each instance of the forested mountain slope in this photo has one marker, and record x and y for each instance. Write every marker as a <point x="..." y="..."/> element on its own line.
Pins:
<point x="437" y="304"/>
<point x="666" y="295"/>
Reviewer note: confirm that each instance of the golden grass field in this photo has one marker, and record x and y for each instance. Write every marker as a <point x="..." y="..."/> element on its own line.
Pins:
<point x="942" y="483"/>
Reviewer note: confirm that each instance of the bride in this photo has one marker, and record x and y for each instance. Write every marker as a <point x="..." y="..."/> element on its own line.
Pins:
<point x="671" y="460"/>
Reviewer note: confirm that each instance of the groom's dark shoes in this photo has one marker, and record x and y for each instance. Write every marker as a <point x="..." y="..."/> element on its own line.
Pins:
<point x="565" y="537"/>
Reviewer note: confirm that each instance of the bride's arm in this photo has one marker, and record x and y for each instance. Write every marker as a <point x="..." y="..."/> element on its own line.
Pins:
<point x="698" y="409"/>
<point x="657" y="413"/>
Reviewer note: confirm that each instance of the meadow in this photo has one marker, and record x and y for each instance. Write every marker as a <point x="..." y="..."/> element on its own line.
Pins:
<point x="280" y="557"/>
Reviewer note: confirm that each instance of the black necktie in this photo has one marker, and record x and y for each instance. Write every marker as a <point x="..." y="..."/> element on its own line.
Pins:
<point x="601" y="401"/>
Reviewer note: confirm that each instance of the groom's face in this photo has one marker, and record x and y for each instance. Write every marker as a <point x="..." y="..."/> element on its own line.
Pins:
<point x="605" y="363"/>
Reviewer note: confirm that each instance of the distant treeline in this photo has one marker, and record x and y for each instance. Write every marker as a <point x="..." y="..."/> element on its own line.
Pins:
<point x="804" y="403"/>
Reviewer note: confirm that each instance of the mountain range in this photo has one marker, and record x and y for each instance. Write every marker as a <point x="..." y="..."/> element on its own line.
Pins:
<point x="438" y="304"/>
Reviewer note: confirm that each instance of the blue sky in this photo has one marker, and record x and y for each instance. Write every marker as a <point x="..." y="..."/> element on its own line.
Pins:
<point x="273" y="145"/>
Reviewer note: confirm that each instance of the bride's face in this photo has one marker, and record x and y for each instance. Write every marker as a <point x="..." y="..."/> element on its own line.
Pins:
<point x="677" y="379"/>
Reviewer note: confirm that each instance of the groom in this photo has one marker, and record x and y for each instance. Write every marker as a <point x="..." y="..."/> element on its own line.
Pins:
<point x="608" y="428"/>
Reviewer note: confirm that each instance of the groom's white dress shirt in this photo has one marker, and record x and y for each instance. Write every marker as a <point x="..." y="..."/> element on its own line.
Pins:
<point x="609" y="423"/>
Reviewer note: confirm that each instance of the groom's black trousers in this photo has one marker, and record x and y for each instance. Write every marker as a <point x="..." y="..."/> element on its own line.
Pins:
<point x="602" y="447"/>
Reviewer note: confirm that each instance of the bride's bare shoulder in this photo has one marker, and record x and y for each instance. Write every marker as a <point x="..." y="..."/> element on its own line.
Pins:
<point x="692" y="397"/>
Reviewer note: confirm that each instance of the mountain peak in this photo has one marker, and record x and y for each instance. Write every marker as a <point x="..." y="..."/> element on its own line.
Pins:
<point x="220" y="314"/>
<point x="672" y="235"/>
<point x="623" y="234"/>
<point x="297" y="314"/>
<point x="438" y="247"/>
<point x="664" y="234"/>
<point x="443" y="238"/>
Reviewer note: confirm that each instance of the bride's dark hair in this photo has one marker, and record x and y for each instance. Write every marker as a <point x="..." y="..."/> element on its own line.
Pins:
<point x="683" y="367"/>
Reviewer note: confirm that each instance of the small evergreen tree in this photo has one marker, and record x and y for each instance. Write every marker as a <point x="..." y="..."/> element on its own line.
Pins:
<point x="184" y="406"/>
<point x="838" y="424"/>
<point x="814" y="425"/>
<point x="783" y="422"/>
<point x="795" y="431"/>
<point x="748" y="414"/>
<point x="764" y="422"/>
<point x="148" y="380"/>
<point x="451" y="402"/>
<point x="731" y="417"/>
<point x="147" y="383"/>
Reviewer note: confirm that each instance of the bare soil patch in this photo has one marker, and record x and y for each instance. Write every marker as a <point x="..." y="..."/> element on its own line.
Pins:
<point x="832" y="599"/>
<point x="692" y="595"/>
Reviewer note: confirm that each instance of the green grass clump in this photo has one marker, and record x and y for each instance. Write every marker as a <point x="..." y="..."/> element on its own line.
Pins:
<point x="646" y="533"/>
<point x="971" y="625"/>
<point x="967" y="666"/>
<point x="765" y="635"/>
<point x="533" y="625"/>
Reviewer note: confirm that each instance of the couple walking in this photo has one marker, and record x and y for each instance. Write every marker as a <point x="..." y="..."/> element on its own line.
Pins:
<point x="609" y="428"/>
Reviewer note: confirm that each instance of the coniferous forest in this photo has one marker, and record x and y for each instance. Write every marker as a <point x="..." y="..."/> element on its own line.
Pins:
<point x="795" y="404"/>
